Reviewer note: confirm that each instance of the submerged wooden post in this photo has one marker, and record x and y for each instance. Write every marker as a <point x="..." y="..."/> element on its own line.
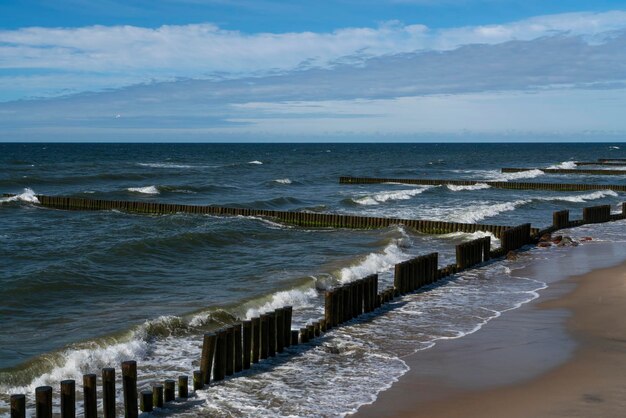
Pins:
<point x="157" y="396"/>
<point x="208" y="352"/>
<point x="146" y="401"/>
<point x="68" y="399"/>
<point x="247" y="344"/>
<point x="108" y="392"/>
<point x="183" y="387"/>
<point x="280" y="330"/>
<point x="169" y="390"/>
<point x="238" y="348"/>
<point x="294" y="337"/>
<point x="197" y="379"/>
<point x="18" y="406"/>
<point x="256" y="339"/>
<point x="90" y="400"/>
<point x="230" y="351"/>
<point x="129" y="384"/>
<point x="43" y="402"/>
<point x="288" y="312"/>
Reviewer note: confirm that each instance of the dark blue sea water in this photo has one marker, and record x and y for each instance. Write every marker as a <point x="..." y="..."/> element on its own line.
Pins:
<point x="85" y="290"/>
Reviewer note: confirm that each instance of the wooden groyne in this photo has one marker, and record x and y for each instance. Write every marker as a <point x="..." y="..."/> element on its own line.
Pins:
<point x="567" y="171"/>
<point x="611" y="160"/>
<point x="304" y="219"/>
<point x="608" y="163"/>
<point x="237" y="347"/>
<point x="562" y="187"/>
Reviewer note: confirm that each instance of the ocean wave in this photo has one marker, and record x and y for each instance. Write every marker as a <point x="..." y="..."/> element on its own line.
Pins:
<point x="465" y="236"/>
<point x="166" y="165"/>
<point x="478" y="212"/>
<point x="282" y="181"/>
<point x="614" y="147"/>
<point x="567" y="165"/>
<point x="256" y="162"/>
<point x="27" y="196"/>
<point x="297" y="298"/>
<point x="600" y="194"/>
<point x="385" y="196"/>
<point x="478" y="186"/>
<point x="144" y="190"/>
<point x="498" y="176"/>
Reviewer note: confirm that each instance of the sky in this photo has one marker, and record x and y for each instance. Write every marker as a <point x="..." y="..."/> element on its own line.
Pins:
<point x="285" y="71"/>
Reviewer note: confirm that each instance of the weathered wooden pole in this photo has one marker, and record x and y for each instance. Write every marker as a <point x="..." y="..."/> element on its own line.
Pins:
<point x="230" y="351"/>
<point x="108" y="392"/>
<point x="209" y="342"/>
<point x="169" y="390"/>
<point x="90" y="399"/>
<point x="219" y="369"/>
<point x="198" y="383"/>
<point x="265" y="336"/>
<point x="238" y="329"/>
<point x="280" y="330"/>
<point x="183" y="387"/>
<point x="247" y="344"/>
<point x="129" y="384"/>
<point x="256" y="339"/>
<point x="288" y="312"/>
<point x="18" y="406"/>
<point x="68" y="399"/>
<point x="272" y="334"/>
<point x="43" y="402"/>
<point x="157" y="396"/>
<point x="146" y="401"/>
<point x="328" y="308"/>
<point x="294" y="337"/>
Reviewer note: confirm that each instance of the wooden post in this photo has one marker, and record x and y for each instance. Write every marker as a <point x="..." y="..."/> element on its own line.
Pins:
<point x="90" y="399"/>
<point x="157" y="396"/>
<point x="272" y="334"/>
<point x="238" y="348"/>
<point x="288" y="312"/>
<point x="219" y="368"/>
<point x="247" y="344"/>
<point x="68" y="399"/>
<point x="43" y="402"/>
<point x="18" y="406"/>
<point x="169" y="392"/>
<point x="280" y="330"/>
<point x="328" y="308"/>
<point x="208" y="352"/>
<point x="129" y="384"/>
<point x="230" y="351"/>
<point x="183" y="387"/>
<point x="304" y="335"/>
<point x="256" y="339"/>
<point x="265" y="336"/>
<point x="294" y="337"/>
<point x="197" y="379"/>
<point x="146" y="401"/>
<point x="108" y="392"/>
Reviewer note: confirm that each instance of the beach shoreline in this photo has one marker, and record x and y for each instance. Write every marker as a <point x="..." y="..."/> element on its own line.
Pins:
<point x="560" y="355"/>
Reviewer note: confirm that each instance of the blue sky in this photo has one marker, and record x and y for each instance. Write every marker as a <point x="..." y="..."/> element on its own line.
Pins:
<point x="226" y="70"/>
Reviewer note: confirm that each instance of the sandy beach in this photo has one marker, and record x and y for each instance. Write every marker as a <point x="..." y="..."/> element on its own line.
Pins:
<point x="562" y="355"/>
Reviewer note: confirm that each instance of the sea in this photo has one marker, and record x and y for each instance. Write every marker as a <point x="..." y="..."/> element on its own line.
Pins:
<point x="80" y="291"/>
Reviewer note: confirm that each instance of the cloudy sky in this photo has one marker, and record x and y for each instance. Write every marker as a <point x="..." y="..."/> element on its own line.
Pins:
<point x="340" y="70"/>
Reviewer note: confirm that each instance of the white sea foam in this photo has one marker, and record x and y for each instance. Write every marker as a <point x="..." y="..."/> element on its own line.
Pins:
<point x="600" y="194"/>
<point x="614" y="147"/>
<point x="165" y="165"/>
<point x="385" y="196"/>
<point x="477" y="212"/>
<point x="498" y="176"/>
<point x="297" y="298"/>
<point x="257" y="162"/>
<point x="28" y="196"/>
<point x="568" y="165"/>
<point x="144" y="190"/>
<point x="282" y="181"/>
<point x="495" y="242"/>
<point x="478" y="186"/>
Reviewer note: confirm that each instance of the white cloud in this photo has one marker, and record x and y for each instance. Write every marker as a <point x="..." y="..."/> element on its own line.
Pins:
<point x="207" y="51"/>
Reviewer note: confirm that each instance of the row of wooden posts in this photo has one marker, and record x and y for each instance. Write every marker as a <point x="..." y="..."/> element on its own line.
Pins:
<point x="238" y="346"/>
<point x="512" y="185"/>
<point x="307" y="219"/>
<point x="567" y="171"/>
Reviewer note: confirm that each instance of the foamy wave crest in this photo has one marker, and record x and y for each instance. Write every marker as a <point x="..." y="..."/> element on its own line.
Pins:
<point x="144" y="190"/>
<point x="297" y="298"/>
<point x="614" y="147"/>
<point x="164" y="165"/>
<point x="495" y="242"/>
<point x="382" y="197"/>
<point x="521" y="175"/>
<point x="476" y="213"/>
<point x="257" y="162"/>
<point x="568" y="165"/>
<point x="28" y="196"/>
<point x="282" y="181"/>
<point x="478" y="186"/>
<point x="377" y="262"/>
<point x="583" y="197"/>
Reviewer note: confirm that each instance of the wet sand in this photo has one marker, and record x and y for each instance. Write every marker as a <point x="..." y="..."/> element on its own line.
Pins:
<point x="562" y="355"/>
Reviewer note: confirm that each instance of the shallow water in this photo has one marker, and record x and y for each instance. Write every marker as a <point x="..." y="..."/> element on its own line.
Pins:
<point x="85" y="290"/>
